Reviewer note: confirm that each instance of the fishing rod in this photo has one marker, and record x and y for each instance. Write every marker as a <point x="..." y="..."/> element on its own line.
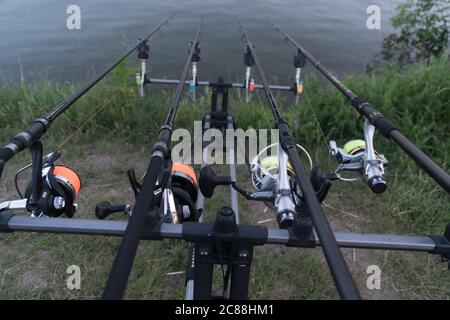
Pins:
<point x="338" y="267"/>
<point x="145" y="203"/>
<point x="384" y="125"/>
<point x="39" y="126"/>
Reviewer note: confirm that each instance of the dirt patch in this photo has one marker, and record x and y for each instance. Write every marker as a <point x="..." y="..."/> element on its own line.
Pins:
<point x="100" y="160"/>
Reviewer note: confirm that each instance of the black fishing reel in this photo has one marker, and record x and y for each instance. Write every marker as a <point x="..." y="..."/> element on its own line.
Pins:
<point x="52" y="190"/>
<point x="176" y="194"/>
<point x="61" y="186"/>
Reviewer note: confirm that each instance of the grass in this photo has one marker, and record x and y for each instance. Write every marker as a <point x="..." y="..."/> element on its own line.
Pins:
<point x="417" y="100"/>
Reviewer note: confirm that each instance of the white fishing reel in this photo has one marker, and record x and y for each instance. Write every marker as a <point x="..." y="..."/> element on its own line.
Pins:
<point x="275" y="174"/>
<point x="359" y="156"/>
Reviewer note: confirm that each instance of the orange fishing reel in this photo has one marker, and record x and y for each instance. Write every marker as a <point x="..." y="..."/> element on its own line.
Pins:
<point x="61" y="186"/>
<point x="179" y="200"/>
<point x="177" y="190"/>
<point x="52" y="190"/>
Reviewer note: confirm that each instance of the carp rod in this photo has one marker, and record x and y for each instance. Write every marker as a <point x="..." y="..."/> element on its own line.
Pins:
<point x="145" y="203"/>
<point x="384" y="125"/>
<point x="336" y="262"/>
<point x="39" y="126"/>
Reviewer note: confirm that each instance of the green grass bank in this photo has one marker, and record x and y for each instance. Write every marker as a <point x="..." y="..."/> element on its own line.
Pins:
<point x="416" y="99"/>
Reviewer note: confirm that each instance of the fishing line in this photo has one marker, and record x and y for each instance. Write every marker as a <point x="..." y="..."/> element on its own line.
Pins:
<point x="86" y="122"/>
<point x="317" y="121"/>
<point x="325" y="139"/>
<point x="96" y="111"/>
<point x="99" y="109"/>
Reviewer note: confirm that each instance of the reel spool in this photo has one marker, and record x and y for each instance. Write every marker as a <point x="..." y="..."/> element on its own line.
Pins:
<point x="357" y="156"/>
<point x="185" y="191"/>
<point x="61" y="186"/>
<point x="265" y="175"/>
<point x="355" y="147"/>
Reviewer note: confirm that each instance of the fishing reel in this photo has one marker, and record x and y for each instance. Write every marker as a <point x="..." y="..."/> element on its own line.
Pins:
<point x="51" y="194"/>
<point x="275" y="174"/>
<point x="275" y="182"/>
<point x="179" y="199"/>
<point x="359" y="156"/>
<point x="176" y="193"/>
<point x="60" y="189"/>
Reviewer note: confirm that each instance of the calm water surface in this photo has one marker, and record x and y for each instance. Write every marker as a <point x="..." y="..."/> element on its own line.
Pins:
<point x="36" y="42"/>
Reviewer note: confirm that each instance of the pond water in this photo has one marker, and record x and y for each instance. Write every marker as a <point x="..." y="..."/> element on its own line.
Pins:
<point x="36" y="43"/>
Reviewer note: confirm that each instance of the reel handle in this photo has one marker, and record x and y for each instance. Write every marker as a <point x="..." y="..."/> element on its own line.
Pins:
<point x="208" y="181"/>
<point x="105" y="208"/>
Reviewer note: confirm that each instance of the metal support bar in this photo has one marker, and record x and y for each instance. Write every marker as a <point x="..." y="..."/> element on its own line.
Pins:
<point x="175" y="231"/>
<point x="214" y="84"/>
